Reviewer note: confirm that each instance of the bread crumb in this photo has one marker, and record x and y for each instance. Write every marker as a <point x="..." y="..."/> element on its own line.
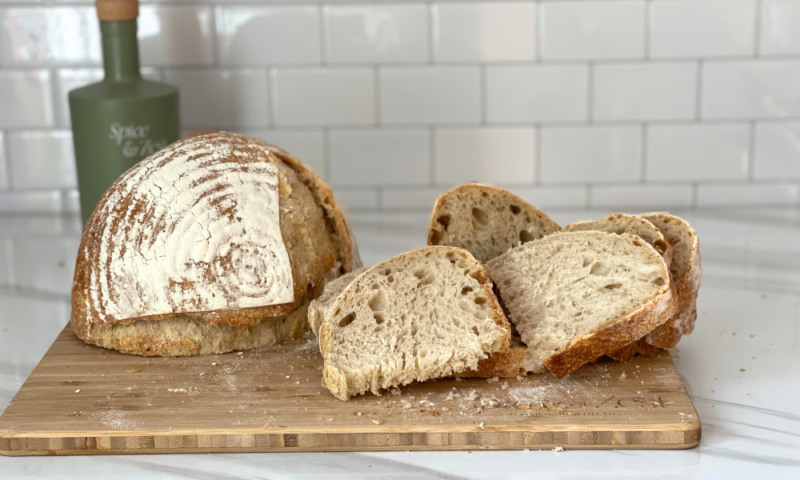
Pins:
<point x="359" y="414"/>
<point x="493" y="380"/>
<point x="459" y="379"/>
<point x="406" y="406"/>
<point x="520" y="377"/>
<point x="78" y="391"/>
<point x="213" y="363"/>
<point x="376" y="422"/>
<point x="330" y="419"/>
<point x="482" y="426"/>
<point x="134" y="370"/>
<point x="623" y="376"/>
<point x="239" y="353"/>
<point x="505" y="386"/>
<point x="395" y="391"/>
<point x="742" y="370"/>
<point x="558" y="449"/>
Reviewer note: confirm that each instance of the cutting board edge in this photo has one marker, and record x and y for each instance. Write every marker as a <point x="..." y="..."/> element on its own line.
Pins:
<point x="672" y="439"/>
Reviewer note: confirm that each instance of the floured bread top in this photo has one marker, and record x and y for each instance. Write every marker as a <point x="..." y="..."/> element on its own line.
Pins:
<point x="193" y="228"/>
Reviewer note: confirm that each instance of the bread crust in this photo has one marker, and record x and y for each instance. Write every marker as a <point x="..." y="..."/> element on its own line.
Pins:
<point x="506" y="364"/>
<point x="682" y="321"/>
<point x="216" y="325"/>
<point x="612" y="337"/>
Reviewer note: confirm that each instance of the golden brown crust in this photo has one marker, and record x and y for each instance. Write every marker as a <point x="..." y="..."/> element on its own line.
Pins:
<point x="188" y="335"/>
<point x="506" y="364"/>
<point x="301" y="191"/>
<point x="347" y="249"/>
<point x="610" y="338"/>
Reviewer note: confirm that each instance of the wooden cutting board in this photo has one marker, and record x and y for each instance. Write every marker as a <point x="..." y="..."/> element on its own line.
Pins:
<point x="86" y="400"/>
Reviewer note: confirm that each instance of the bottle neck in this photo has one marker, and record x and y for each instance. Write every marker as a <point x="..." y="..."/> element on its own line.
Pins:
<point x="120" y="51"/>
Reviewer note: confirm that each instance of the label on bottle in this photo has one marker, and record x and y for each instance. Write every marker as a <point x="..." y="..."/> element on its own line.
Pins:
<point x="134" y="140"/>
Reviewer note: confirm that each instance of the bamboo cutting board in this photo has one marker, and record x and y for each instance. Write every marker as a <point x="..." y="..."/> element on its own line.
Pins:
<point x="86" y="400"/>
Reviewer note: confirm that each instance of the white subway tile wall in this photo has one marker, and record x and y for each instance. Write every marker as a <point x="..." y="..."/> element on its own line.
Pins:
<point x="484" y="32"/>
<point x="377" y="33"/>
<point x="619" y="104"/>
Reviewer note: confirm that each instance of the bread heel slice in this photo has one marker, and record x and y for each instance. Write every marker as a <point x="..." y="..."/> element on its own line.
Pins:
<point x="686" y="270"/>
<point x="426" y="314"/>
<point x="575" y="296"/>
<point x="486" y="221"/>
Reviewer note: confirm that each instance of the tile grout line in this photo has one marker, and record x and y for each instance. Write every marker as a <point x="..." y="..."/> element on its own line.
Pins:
<point x="376" y="80"/>
<point x="323" y="34"/>
<point x="215" y="24"/>
<point x="429" y="16"/>
<point x="699" y="93"/>
<point x="326" y="153"/>
<point x="484" y="94"/>
<point x="9" y="251"/>
<point x="589" y="200"/>
<point x="58" y="120"/>
<point x="643" y="155"/>
<point x="751" y="164"/>
<point x="757" y="29"/>
<point x="537" y="155"/>
<point x="6" y="152"/>
<point x="590" y="95"/>
<point x="647" y="29"/>
<point x="539" y="30"/>
<point x="432" y="156"/>
<point x="272" y="97"/>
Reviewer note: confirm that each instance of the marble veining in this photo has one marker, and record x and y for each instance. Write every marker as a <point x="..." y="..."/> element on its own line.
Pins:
<point x="741" y="365"/>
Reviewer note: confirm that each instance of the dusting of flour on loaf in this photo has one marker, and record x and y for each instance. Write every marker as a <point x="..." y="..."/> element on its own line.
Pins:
<point x="192" y="228"/>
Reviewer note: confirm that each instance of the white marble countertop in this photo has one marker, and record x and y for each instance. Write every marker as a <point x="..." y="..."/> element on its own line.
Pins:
<point x="741" y="365"/>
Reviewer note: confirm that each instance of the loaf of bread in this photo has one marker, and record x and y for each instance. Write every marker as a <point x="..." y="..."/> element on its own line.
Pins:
<point x="216" y="243"/>
<point x="575" y="296"/>
<point x="425" y="314"/>
<point x="486" y="221"/>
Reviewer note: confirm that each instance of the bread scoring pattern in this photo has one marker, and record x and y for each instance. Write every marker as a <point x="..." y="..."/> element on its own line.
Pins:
<point x="192" y="228"/>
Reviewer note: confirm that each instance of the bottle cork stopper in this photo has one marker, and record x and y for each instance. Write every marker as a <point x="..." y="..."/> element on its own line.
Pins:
<point x="117" y="10"/>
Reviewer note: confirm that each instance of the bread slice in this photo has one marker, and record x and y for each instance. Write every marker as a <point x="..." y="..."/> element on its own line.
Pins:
<point x="575" y="296"/>
<point x="686" y="271"/>
<point x="504" y="364"/>
<point x="486" y="221"/>
<point x="623" y="223"/>
<point x="319" y="307"/>
<point x="422" y="315"/>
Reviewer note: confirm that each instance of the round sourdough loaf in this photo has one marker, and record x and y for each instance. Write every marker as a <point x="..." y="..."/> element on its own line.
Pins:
<point x="217" y="243"/>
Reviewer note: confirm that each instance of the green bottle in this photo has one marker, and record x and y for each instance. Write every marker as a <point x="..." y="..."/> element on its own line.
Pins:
<point x="124" y="118"/>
